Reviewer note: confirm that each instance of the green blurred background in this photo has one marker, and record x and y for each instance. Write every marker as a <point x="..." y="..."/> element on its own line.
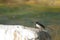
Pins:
<point x="27" y="12"/>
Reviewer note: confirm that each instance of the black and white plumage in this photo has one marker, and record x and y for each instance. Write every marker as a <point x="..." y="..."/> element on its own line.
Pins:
<point x="39" y="25"/>
<point x="42" y="34"/>
<point x="19" y="32"/>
